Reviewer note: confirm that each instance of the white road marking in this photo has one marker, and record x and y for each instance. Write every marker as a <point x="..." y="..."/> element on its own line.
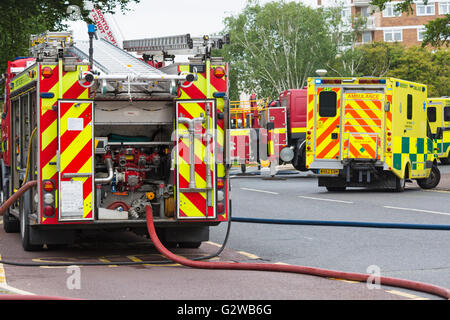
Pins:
<point x="418" y="210"/>
<point x="323" y="199"/>
<point x="256" y="190"/>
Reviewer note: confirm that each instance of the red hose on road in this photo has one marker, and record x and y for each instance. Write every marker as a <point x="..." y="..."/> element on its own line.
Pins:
<point x="407" y="284"/>
<point x="11" y="200"/>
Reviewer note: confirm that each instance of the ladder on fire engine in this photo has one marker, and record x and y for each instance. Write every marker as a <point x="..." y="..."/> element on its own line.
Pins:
<point x="180" y="44"/>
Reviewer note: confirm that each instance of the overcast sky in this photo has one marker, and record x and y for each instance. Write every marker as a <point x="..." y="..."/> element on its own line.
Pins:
<point x="152" y="18"/>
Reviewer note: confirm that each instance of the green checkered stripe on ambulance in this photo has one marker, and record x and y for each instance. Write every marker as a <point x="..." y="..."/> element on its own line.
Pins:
<point x="418" y="150"/>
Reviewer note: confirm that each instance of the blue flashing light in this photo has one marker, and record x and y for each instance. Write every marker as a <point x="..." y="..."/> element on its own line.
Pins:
<point x="397" y="84"/>
<point x="383" y="81"/>
<point x="91" y="28"/>
<point x="318" y="81"/>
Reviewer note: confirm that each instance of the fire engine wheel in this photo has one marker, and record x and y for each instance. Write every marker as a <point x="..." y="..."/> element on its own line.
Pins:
<point x="25" y="233"/>
<point x="10" y="223"/>
<point x="432" y="181"/>
<point x="190" y="245"/>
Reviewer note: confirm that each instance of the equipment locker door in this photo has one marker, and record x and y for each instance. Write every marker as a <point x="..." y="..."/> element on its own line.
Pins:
<point x="363" y="124"/>
<point x="277" y="132"/>
<point x="328" y="123"/>
<point x="195" y="159"/>
<point x="75" y="160"/>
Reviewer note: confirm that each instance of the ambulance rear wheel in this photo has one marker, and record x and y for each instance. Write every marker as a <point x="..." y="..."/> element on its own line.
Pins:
<point x="432" y="181"/>
<point x="336" y="189"/>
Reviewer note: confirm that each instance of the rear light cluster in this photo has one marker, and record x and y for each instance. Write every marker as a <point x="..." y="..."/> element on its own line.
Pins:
<point x="220" y="195"/>
<point x="48" y="198"/>
<point x="389" y="143"/>
<point x="308" y="140"/>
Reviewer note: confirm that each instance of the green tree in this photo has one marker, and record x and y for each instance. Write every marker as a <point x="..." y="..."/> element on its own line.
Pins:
<point x="420" y="65"/>
<point x="378" y="58"/>
<point x="21" y="18"/>
<point x="276" y="46"/>
<point x="437" y="32"/>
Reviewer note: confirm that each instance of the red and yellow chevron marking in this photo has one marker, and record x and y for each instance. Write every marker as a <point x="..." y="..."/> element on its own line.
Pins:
<point x="192" y="205"/>
<point x="362" y="127"/>
<point x="48" y="122"/>
<point x="310" y="123"/>
<point x="326" y="147"/>
<point x="76" y="149"/>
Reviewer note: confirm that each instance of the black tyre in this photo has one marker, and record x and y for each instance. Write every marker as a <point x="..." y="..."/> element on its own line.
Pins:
<point x="336" y="189"/>
<point x="243" y="168"/>
<point x="25" y="232"/>
<point x="299" y="161"/>
<point x="400" y="182"/>
<point x="432" y="181"/>
<point x="190" y="244"/>
<point x="445" y="160"/>
<point x="10" y="223"/>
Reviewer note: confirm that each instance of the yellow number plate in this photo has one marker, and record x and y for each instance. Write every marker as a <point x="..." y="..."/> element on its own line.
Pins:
<point x="329" y="171"/>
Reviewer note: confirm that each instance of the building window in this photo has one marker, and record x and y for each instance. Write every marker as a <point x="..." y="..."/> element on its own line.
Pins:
<point x="389" y="11"/>
<point x="444" y="7"/>
<point x="425" y="10"/>
<point x="393" y="35"/>
<point x="421" y="34"/>
<point x="367" y="37"/>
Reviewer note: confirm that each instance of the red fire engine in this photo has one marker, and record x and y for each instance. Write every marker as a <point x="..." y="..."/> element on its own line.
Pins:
<point x="94" y="127"/>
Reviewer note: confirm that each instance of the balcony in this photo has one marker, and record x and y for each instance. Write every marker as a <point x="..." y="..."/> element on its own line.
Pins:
<point x="361" y="3"/>
<point x="370" y="24"/>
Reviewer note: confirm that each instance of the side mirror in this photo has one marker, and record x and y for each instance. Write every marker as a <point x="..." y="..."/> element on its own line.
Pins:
<point x="387" y="106"/>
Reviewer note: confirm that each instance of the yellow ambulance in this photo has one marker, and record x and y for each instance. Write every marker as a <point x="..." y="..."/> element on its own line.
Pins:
<point x="438" y="111"/>
<point x="369" y="132"/>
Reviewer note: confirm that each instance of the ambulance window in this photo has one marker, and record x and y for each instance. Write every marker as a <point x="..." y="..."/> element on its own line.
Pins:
<point x="447" y="114"/>
<point x="431" y="114"/>
<point x="409" y="108"/>
<point x="327" y="104"/>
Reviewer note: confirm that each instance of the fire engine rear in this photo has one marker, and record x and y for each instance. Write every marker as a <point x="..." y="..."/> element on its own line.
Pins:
<point x="105" y="134"/>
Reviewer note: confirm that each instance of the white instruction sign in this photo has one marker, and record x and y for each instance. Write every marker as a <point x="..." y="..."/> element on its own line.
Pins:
<point x="75" y="124"/>
<point x="72" y="201"/>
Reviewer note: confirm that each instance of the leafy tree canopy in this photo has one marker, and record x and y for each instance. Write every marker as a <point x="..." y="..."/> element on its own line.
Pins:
<point x="21" y="18"/>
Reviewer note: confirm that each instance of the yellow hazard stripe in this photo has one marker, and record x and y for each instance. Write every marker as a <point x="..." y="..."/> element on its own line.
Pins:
<point x="298" y="130"/>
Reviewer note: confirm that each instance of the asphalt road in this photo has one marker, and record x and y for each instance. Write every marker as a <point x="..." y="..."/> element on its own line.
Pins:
<point x="409" y="254"/>
<point x="419" y="255"/>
